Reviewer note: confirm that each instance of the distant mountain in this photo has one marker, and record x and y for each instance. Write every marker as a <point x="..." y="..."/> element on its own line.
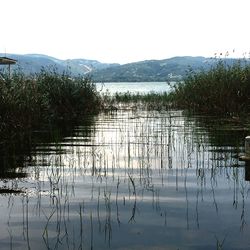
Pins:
<point x="151" y="70"/>
<point x="33" y="63"/>
<point x="155" y="70"/>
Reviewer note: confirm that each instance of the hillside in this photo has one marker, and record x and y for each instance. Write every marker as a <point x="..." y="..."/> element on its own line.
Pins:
<point x="145" y="71"/>
<point x="32" y="63"/>
<point x="151" y="70"/>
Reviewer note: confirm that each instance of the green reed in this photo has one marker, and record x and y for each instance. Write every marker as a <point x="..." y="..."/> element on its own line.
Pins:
<point x="65" y="97"/>
<point x="44" y="100"/>
<point x="224" y="89"/>
<point x="150" y="101"/>
<point x="26" y="101"/>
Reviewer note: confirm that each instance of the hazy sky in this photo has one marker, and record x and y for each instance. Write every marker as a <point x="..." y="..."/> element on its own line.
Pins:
<point x="124" y="30"/>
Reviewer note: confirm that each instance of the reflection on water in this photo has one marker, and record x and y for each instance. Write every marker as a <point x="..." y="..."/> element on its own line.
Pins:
<point x="132" y="180"/>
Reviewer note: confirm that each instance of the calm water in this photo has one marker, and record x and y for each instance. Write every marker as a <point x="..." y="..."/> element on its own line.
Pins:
<point x="132" y="180"/>
<point x="135" y="87"/>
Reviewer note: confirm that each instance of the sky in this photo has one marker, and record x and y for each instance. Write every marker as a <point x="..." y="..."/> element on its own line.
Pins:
<point x="123" y="31"/>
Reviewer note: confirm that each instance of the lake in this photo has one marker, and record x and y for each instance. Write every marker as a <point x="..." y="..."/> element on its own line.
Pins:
<point x="131" y="179"/>
<point x="134" y="87"/>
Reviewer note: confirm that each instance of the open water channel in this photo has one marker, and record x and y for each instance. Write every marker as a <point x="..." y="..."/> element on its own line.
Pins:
<point x="132" y="179"/>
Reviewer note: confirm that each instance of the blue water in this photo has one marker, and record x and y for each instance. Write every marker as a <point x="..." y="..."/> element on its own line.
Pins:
<point x="134" y="87"/>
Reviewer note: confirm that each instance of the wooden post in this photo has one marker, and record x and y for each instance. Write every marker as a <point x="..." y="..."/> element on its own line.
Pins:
<point x="246" y="156"/>
<point x="9" y="70"/>
<point x="7" y="61"/>
<point x="247" y="146"/>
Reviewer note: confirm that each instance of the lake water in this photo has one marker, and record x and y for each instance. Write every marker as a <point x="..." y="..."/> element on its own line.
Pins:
<point x="131" y="179"/>
<point x="134" y="87"/>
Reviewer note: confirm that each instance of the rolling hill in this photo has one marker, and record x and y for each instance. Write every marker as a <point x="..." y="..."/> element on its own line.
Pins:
<point x="33" y="63"/>
<point x="145" y="71"/>
<point x="151" y="70"/>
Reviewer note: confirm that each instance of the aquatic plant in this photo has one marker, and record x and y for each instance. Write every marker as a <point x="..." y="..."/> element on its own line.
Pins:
<point x="149" y="101"/>
<point x="224" y="89"/>
<point x="65" y="97"/>
<point x="138" y="170"/>
<point x="45" y="100"/>
<point x="28" y="101"/>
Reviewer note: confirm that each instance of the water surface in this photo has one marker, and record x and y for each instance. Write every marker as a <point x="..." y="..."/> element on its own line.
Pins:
<point x="134" y="87"/>
<point x="132" y="180"/>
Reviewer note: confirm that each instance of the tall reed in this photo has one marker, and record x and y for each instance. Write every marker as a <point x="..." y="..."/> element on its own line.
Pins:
<point x="66" y="97"/>
<point x="224" y="89"/>
<point x="150" y="101"/>
<point x="40" y="101"/>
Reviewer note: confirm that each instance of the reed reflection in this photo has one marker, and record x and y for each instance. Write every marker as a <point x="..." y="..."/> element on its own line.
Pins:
<point x="133" y="178"/>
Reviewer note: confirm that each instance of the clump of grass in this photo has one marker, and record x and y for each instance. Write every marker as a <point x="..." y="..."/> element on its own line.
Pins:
<point x="65" y="97"/>
<point x="224" y="89"/>
<point x="36" y="101"/>
<point x="152" y="100"/>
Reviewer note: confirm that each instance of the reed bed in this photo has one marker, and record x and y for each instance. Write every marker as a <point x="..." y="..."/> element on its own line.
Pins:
<point x="149" y="101"/>
<point x="126" y="177"/>
<point x="222" y="90"/>
<point x="40" y="101"/>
